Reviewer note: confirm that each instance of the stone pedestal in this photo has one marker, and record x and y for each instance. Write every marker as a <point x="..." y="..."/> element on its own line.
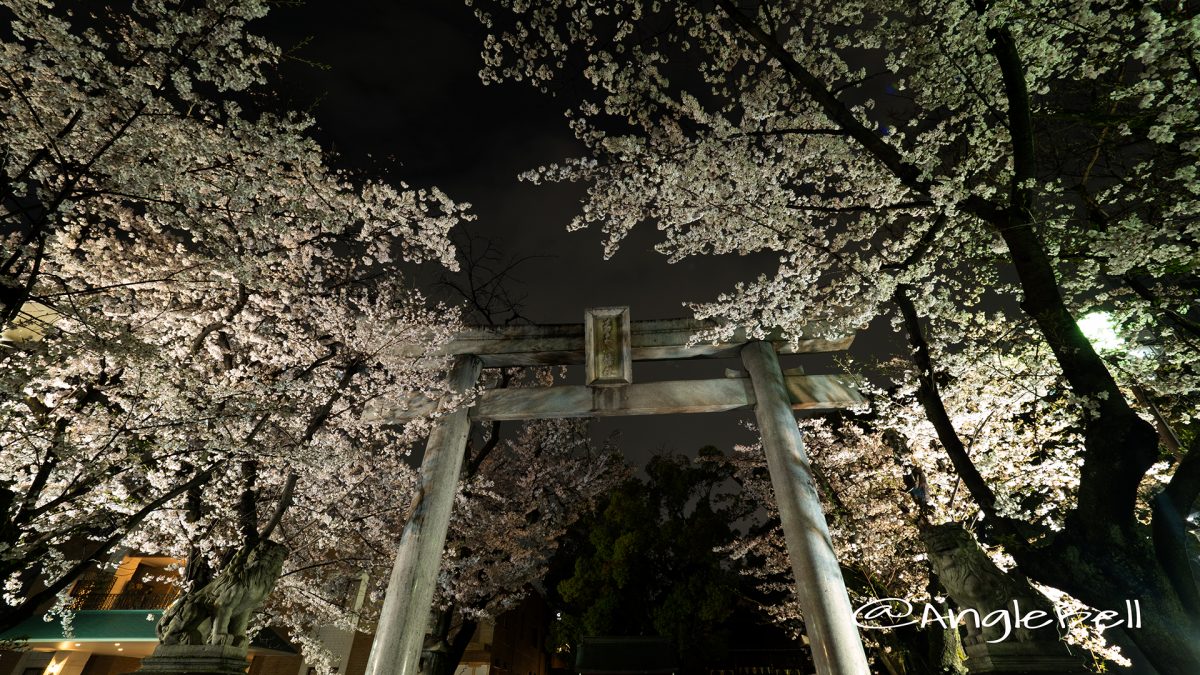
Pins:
<point x="1022" y="658"/>
<point x="195" y="660"/>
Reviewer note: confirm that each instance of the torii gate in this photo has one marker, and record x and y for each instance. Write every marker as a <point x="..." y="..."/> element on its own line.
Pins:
<point x="607" y="344"/>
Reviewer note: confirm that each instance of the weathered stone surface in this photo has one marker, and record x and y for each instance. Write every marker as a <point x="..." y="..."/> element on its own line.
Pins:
<point x="1023" y="658"/>
<point x="218" y="613"/>
<point x="608" y="358"/>
<point x="805" y="392"/>
<point x="653" y="340"/>
<point x="404" y="617"/>
<point x="975" y="582"/>
<point x="820" y="588"/>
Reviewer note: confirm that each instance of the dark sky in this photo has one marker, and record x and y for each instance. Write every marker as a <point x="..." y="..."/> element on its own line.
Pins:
<point x="397" y="95"/>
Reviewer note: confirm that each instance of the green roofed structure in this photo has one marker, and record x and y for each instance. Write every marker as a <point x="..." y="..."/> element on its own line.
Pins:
<point x="94" y="628"/>
<point x="625" y="656"/>
<point x="129" y="625"/>
<point x="113" y="616"/>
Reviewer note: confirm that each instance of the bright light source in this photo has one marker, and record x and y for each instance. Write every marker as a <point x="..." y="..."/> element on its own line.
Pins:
<point x="1097" y="327"/>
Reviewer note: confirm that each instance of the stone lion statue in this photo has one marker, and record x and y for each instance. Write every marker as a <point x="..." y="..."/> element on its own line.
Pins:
<point x="218" y="612"/>
<point x="974" y="581"/>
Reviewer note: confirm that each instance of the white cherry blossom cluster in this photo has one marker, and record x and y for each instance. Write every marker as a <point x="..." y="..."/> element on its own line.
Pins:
<point x="510" y="516"/>
<point x="197" y="306"/>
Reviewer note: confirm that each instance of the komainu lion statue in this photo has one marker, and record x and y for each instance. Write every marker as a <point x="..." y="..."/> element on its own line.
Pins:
<point x="975" y="582"/>
<point x="218" y="613"/>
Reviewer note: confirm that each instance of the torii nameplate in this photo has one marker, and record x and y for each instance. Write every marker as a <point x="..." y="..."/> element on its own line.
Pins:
<point x="608" y="356"/>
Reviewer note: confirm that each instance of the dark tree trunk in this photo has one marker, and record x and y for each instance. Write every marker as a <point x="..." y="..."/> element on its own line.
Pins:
<point x="945" y="651"/>
<point x="1105" y="577"/>
<point x="443" y="653"/>
<point x="458" y="646"/>
<point x="433" y="656"/>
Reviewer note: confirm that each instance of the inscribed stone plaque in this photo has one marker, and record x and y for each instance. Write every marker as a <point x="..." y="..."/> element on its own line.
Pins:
<point x="608" y="356"/>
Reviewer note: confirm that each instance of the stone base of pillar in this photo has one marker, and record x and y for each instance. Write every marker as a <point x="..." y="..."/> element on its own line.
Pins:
<point x="1022" y="658"/>
<point x="195" y="660"/>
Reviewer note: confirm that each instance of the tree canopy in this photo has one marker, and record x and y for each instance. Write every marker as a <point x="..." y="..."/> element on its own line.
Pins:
<point x="987" y="174"/>
<point x="647" y="563"/>
<point x="197" y="306"/>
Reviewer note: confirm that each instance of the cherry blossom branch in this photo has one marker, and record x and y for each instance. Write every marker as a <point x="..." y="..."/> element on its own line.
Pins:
<point x="281" y="506"/>
<point x="30" y="508"/>
<point x="1180" y="322"/>
<point x="323" y="563"/>
<point x="43" y="152"/>
<point x="1120" y="446"/>
<point x="240" y="304"/>
<point x="989" y="106"/>
<point x="789" y="131"/>
<point x="861" y="207"/>
<point x="37" y="227"/>
<point x="40" y="478"/>
<point x="92" y="290"/>
<point x="935" y="412"/>
<point x="318" y="419"/>
<point x="834" y="109"/>
<point x="916" y="484"/>
<point x="19" y="91"/>
<point x="935" y="409"/>
<point x="247" y="506"/>
<point x="11" y="302"/>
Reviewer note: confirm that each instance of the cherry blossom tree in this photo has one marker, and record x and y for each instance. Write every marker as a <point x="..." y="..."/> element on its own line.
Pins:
<point x="340" y="513"/>
<point x="875" y="504"/>
<point x="516" y="500"/>
<point x="881" y="491"/>
<point x="986" y="172"/>
<point x="197" y="306"/>
<point x="514" y="508"/>
<point x="515" y="505"/>
<point x="521" y="487"/>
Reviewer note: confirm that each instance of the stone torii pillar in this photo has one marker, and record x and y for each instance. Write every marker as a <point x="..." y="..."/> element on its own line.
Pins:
<point x="836" y="646"/>
<point x="405" y="613"/>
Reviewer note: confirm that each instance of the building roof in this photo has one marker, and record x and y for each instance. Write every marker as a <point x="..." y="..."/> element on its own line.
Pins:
<point x="128" y="625"/>
<point x="117" y="625"/>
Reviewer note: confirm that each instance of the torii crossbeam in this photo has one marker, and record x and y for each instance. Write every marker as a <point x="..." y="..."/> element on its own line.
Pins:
<point x="607" y="343"/>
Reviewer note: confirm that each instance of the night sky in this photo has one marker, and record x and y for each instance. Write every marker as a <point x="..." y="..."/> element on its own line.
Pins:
<point x="394" y="87"/>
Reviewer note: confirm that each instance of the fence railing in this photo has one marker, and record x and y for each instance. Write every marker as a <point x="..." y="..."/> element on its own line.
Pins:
<point x="128" y="600"/>
<point x="765" y="662"/>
